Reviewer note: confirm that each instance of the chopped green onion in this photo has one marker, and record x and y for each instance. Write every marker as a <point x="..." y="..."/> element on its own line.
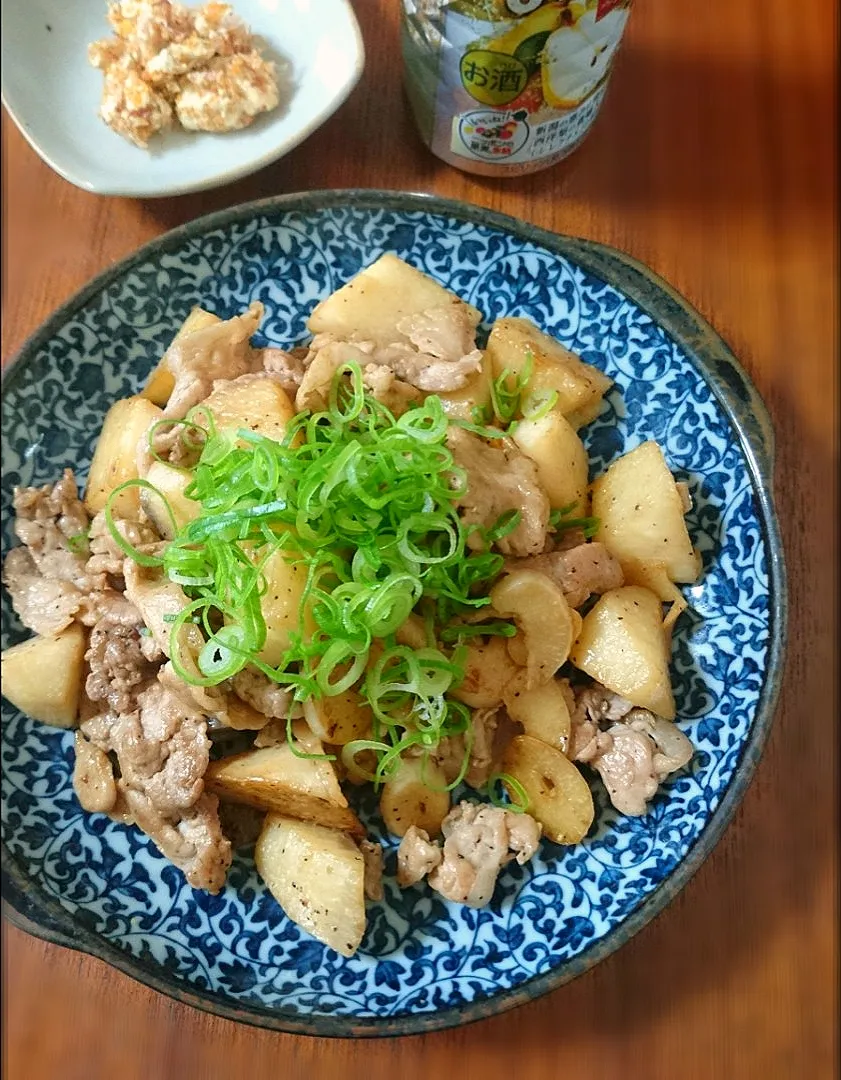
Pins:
<point x="516" y="797"/>
<point x="367" y="505"/>
<point x="79" y="543"/>
<point x="140" y="557"/>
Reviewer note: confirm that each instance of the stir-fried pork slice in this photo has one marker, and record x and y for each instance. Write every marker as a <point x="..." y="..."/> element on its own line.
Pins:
<point x="381" y="382"/>
<point x="579" y="571"/>
<point x="632" y="750"/>
<point x="482" y="749"/>
<point x="258" y="691"/>
<point x="221" y="350"/>
<point x="49" y="579"/>
<point x="44" y="605"/>
<point x="417" y="856"/>
<point x="372" y="856"/>
<point x="116" y="663"/>
<point x="485" y="748"/>
<point x="162" y="750"/>
<point x="156" y="598"/>
<point x="324" y="359"/>
<point x="446" y="332"/>
<point x="194" y="841"/>
<point x="286" y="367"/>
<point x="434" y="352"/>
<point x="499" y="481"/>
<point x="478" y="842"/>
<point x="68" y="568"/>
<point x="50" y="521"/>
<point x="106" y="555"/>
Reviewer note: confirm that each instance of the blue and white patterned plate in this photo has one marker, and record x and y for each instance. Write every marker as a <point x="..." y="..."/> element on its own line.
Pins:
<point x="86" y="882"/>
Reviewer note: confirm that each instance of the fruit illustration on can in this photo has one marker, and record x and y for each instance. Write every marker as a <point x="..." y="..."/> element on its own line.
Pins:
<point x="577" y="58"/>
<point x="534" y="71"/>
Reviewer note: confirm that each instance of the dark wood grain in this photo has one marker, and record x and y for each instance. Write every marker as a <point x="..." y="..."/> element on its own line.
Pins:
<point x="713" y="162"/>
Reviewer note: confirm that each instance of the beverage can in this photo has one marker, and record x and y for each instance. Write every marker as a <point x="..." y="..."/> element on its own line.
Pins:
<point x="507" y="87"/>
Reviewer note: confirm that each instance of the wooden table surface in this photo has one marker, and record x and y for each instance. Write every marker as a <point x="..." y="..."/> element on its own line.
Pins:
<point x="713" y="162"/>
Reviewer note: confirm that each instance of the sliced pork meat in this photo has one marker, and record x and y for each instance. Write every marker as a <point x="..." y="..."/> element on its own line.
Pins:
<point x="372" y="856"/>
<point x="287" y="368"/>
<point x="478" y="841"/>
<point x="324" y="359"/>
<point x="446" y="332"/>
<point x="52" y="524"/>
<point x="498" y="481"/>
<point x="44" y="605"/>
<point x="580" y="571"/>
<point x="193" y="841"/>
<point x="162" y="750"/>
<point x="68" y="567"/>
<point x="630" y="748"/>
<point x="117" y="666"/>
<point x="157" y="598"/>
<point x="417" y="856"/>
<point x="258" y="691"/>
<point x="105" y="554"/>
<point x="384" y="385"/>
<point x="482" y="749"/>
<point x="48" y="578"/>
<point x="448" y="755"/>
<point x="434" y="352"/>
<point x="221" y="350"/>
<point x="431" y="374"/>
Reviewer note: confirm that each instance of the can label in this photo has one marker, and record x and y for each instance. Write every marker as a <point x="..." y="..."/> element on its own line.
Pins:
<point x="516" y="81"/>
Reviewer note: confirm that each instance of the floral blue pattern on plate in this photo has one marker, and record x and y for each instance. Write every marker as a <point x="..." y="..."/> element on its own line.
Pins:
<point x="89" y="883"/>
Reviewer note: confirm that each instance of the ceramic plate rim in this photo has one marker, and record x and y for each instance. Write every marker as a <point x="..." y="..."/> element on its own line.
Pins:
<point x="40" y="915"/>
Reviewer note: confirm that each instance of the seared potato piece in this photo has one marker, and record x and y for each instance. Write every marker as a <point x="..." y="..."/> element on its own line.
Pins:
<point x="317" y="875"/>
<point x="371" y="305"/>
<point x="275" y="779"/>
<point x="285" y="584"/>
<point x="115" y="456"/>
<point x="171" y="483"/>
<point x="539" y="608"/>
<point x="562" y="464"/>
<point x="459" y="404"/>
<point x="43" y="676"/>
<point x="256" y="402"/>
<point x="580" y="387"/>
<point x="543" y="712"/>
<point x="488" y="670"/>
<point x="241" y="716"/>
<point x="408" y="800"/>
<point x="559" y="797"/>
<point x="160" y="383"/>
<point x="641" y="517"/>
<point x="339" y="719"/>
<point x="623" y="646"/>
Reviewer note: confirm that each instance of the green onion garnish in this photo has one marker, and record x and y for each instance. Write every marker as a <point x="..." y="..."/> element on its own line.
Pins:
<point x="506" y="398"/>
<point x="366" y="503"/>
<point x="514" y="797"/>
<point x="560" y="520"/>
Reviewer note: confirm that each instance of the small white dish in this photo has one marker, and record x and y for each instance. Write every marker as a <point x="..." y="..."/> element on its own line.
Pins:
<point x="52" y="94"/>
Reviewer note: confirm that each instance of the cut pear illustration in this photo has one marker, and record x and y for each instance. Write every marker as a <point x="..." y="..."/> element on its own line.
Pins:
<point x="576" y="58"/>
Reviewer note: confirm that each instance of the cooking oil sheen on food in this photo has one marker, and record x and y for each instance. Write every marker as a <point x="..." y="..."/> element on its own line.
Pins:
<point x="507" y="87"/>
